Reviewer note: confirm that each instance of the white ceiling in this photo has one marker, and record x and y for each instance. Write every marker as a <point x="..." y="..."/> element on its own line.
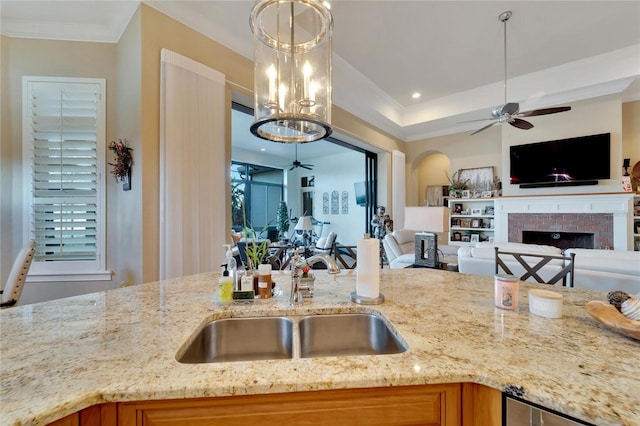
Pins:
<point x="450" y="51"/>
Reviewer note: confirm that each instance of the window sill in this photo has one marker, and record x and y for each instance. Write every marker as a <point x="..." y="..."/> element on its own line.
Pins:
<point x="34" y="277"/>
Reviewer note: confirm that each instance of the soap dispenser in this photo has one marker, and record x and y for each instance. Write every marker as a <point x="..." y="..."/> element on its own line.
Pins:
<point x="225" y="286"/>
<point x="232" y="266"/>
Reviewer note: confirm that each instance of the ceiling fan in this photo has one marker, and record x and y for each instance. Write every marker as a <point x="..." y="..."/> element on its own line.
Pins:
<point x="510" y="112"/>
<point x="296" y="163"/>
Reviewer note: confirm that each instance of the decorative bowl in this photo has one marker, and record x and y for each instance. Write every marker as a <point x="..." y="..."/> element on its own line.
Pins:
<point x="608" y="315"/>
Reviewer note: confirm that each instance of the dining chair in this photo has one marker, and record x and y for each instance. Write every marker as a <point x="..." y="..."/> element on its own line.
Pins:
<point x="15" y="283"/>
<point x="533" y="270"/>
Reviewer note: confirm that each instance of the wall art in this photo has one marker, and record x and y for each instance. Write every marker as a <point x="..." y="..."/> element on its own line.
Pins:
<point x="335" y="202"/>
<point x="345" y="202"/>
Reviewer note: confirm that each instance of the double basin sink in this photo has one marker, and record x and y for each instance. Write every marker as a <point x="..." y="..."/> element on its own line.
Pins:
<point x="288" y="337"/>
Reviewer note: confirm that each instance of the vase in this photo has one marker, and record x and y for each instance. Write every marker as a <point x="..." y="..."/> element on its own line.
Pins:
<point x="126" y="180"/>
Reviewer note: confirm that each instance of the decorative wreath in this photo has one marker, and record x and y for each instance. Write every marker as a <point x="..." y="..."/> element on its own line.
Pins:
<point x="124" y="159"/>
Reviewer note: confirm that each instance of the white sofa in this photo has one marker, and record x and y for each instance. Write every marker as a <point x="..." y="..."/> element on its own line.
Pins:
<point x="399" y="246"/>
<point x="606" y="270"/>
<point x="599" y="270"/>
<point x="481" y="259"/>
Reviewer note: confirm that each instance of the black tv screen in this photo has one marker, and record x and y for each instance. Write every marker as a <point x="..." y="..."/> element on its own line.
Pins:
<point x="361" y="193"/>
<point x="575" y="161"/>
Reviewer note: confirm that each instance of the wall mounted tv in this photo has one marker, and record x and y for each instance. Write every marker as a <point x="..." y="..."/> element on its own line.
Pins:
<point x="564" y="162"/>
<point x="361" y="193"/>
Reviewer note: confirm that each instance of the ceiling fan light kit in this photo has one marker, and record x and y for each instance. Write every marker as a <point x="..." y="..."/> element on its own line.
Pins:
<point x="510" y="112"/>
<point x="292" y="70"/>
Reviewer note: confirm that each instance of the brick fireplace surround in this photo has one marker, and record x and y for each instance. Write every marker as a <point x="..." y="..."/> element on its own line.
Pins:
<point x="598" y="224"/>
<point x="608" y="216"/>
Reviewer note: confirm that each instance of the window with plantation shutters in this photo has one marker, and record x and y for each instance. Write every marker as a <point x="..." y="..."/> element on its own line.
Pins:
<point x="64" y="143"/>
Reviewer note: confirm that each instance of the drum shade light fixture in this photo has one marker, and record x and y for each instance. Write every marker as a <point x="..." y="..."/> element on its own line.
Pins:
<point x="292" y="71"/>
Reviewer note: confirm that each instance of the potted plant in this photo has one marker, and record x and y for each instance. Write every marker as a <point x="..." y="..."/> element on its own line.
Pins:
<point x="283" y="221"/>
<point x="121" y="168"/>
<point x="456" y="184"/>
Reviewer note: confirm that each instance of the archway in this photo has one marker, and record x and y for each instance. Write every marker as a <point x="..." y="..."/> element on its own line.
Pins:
<point x="429" y="169"/>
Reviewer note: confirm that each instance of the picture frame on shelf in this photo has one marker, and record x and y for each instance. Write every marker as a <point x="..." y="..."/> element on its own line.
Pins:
<point x="488" y="210"/>
<point x="486" y="194"/>
<point x="465" y="223"/>
<point x="457" y="236"/>
<point x="466" y="193"/>
<point x="476" y="223"/>
<point x="457" y="208"/>
<point x="475" y="238"/>
<point x="476" y="211"/>
<point x="466" y="238"/>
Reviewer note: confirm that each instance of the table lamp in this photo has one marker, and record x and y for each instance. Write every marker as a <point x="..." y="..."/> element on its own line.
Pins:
<point x="428" y="220"/>
<point x="304" y="224"/>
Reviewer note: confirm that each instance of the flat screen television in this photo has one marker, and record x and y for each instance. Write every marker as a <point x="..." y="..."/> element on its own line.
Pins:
<point x="361" y="193"/>
<point x="564" y="162"/>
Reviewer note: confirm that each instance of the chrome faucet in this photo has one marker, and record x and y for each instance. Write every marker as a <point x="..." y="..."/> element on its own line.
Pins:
<point x="298" y="263"/>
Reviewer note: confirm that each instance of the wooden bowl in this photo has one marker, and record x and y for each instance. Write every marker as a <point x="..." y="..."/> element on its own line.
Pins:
<point x="608" y="315"/>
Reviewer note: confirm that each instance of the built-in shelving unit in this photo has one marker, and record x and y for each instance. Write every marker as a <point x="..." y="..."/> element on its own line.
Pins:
<point x="636" y="222"/>
<point x="471" y="220"/>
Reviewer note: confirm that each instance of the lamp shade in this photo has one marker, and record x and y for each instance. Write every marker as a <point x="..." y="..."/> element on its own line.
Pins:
<point x="292" y="70"/>
<point x="431" y="219"/>
<point x="304" y="224"/>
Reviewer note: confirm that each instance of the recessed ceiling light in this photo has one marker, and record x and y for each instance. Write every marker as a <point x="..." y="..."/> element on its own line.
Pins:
<point x="263" y="149"/>
<point x="416" y="95"/>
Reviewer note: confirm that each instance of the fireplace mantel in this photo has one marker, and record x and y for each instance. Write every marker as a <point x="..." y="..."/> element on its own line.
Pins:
<point x="620" y="205"/>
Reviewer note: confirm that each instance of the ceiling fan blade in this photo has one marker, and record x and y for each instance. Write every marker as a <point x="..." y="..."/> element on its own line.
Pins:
<point x="521" y="124"/>
<point x="510" y="108"/>
<point x="304" y="166"/>
<point x="292" y="167"/>
<point x="484" y="128"/>
<point x="544" y="111"/>
<point x="473" y="121"/>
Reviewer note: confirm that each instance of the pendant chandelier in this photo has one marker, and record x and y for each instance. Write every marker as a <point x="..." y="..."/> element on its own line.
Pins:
<point x="292" y="74"/>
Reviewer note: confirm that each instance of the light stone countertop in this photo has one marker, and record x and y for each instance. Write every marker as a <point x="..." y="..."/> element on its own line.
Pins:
<point x="59" y="357"/>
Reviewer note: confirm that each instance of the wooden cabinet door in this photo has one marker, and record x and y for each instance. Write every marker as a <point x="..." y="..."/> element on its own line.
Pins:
<point x="70" y="420"/>
<point x="405" y="405"/>
<point x="481" y="405"/>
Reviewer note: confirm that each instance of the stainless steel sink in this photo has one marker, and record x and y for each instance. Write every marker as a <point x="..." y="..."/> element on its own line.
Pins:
<point x="346" y="334"/>
<point x="241" y="339"/>
<point x="262" y="338"/>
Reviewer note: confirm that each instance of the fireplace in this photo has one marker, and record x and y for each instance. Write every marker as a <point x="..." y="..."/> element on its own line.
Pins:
<point x="562" y="240"/>
<point x="549" y="228"/>
<point x="607" y="216"/>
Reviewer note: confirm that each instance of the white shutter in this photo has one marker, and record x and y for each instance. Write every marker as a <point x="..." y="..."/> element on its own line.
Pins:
<point x="64" y="139"/>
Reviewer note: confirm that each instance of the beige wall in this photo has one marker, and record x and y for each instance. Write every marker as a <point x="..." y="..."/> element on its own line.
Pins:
<point x="631" y="133"/>
<point x="589" y="117"/>
<point x="132" y="114"/>
<point x="605" y="114"/>
<point x="125" y="207"/>
<point x="463" y="152"/>
<point x="6" y="159"/>
<point x="160" y="31"/>
<point x="29" y="57"/>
